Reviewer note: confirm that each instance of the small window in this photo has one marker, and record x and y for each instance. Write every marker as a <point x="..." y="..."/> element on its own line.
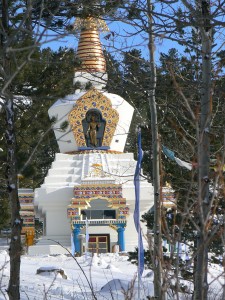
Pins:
<point x="92" y="239"/>
<point x="102" y="239"/>
<point x="109" y="214"/>
<point x="98" y="214"/>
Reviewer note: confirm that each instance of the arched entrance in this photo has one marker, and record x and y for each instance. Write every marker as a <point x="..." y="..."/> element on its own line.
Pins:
<point x="102" y="209"/>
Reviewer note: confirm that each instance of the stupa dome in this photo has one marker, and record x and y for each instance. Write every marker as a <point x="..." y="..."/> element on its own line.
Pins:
<point x="113" y="115"/>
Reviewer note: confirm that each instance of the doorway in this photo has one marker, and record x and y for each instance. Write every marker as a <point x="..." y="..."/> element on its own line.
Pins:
<point x="99" y="243"/>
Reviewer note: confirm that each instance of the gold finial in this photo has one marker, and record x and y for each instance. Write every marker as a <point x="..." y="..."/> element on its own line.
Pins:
<point x="90" y="23"/>
<point x="89" y="52"/>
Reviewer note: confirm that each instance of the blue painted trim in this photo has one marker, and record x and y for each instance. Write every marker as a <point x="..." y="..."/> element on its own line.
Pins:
<point x="76" y="232"/>
<point x="121" y="239"/>
<point x="94" y="148"/>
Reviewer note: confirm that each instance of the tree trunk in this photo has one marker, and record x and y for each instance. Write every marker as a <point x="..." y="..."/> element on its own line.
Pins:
<point x="201" y="284"/>
<point x="157" y="251"/>
<point x="16" y="224"/>
<point x="11" y="168"/>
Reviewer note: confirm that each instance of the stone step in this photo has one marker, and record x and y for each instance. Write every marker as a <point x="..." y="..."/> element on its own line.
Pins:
<point x="55" y="185"/>
<point x="61" y="171"/>
<point x="48" y="250"/>
<point x="58" y="179"/>
<point x="49" y="240"/>
<point x="66" y="164"/>
<point x="61" y="178"/>
<point x="76" y="177"/>
<point x="64" y="156"/>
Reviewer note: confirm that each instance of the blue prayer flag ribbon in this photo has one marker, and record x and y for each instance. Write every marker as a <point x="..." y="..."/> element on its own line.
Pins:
<point x="72" y="245"/>
<point x="87" y="233"/>
<point x="137" y="207"/>
<point x="169" y="153"/>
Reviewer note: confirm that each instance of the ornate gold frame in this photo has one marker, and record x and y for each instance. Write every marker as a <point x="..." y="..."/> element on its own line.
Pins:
<point x="93" y="99"/>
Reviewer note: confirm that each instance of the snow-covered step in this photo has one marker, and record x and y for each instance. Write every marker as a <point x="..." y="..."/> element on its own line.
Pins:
<point x="75" y="178"/>
<point x="121" y="156"/>
<point x="120" y="160"/>
<point x="58" y="179"/>
<point x="66" y="163"/>
<point x="61" y="171"/>
<point x="64" y="156"/>
<point x="55" y="185"/>
<point x="48" y="240"/>
<point x="72" y="184"/>
<point x="77" y="171"/>
<point x="123" y="163"/>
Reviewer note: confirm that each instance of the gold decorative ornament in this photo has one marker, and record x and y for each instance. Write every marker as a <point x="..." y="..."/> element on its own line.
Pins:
<point x="89" y="53"/>
<point x="97" y="170"/>
<point x="93" y="99"/>
<point x="85" y="193"/>
<point x="89" y="24"/>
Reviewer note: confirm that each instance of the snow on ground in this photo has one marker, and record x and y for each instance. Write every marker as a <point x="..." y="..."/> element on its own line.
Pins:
<point x="110" y="275"/>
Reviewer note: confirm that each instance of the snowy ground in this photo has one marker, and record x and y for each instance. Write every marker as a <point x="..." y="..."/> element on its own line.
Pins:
<point x="110" y="275"/>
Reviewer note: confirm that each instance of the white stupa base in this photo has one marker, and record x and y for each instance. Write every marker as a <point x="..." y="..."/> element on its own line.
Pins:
<point x="96" y="79"/>
<point x="69" y="170"/>
<point x="48" y="250"/>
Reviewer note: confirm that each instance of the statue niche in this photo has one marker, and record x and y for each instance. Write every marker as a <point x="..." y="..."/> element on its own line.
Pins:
<point x="93" y="128"/>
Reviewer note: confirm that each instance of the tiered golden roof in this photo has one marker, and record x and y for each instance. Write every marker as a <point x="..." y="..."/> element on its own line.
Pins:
<point x="89" y="51"/>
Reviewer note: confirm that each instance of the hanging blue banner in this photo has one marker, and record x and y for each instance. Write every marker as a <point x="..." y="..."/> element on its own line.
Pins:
<point x="72" y="245"/>
<point x="86" y="233"/>
<point x="137" y="207"/>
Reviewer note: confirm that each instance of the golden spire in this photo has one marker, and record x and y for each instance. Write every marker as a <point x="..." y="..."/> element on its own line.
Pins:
<point x="89" y="51"/>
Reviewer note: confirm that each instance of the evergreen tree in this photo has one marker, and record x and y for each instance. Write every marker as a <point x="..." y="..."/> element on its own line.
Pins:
<point x="19" y="45"/>
<point x="129" y="78"/>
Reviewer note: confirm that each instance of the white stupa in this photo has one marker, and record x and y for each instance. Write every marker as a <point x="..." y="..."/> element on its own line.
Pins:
<point x="90" y="182"/>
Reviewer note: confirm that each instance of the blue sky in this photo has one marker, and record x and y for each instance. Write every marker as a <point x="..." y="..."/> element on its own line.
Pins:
<point x="122" y="37"/>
